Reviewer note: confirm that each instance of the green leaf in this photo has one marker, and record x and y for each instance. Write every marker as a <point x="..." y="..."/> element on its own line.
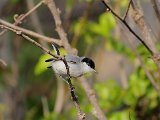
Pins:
<point x="41" y="66"/>
<point x="138" y="85"/>
<point x="104" y="26"/>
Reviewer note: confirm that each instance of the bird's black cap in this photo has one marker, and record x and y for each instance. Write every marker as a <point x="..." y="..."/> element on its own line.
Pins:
<point x="89" y="62"/>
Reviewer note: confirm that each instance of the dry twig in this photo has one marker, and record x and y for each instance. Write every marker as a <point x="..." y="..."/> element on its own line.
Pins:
<point x="30" y="33"/>
<point x="138" y="18"/>
<point x="63" y="36"/>
<point x="92" y="97"/>
<point x="20" y="18"/>
<point x="20" y="33"/>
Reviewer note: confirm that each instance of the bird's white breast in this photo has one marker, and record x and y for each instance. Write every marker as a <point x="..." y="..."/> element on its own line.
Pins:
<point x="60" y="68"/>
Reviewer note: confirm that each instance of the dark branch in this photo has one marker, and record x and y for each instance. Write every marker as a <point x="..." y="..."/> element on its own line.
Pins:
<point x="72" y="90"/>
<point x="126" y="24"/>
<point x="129" y="4"/>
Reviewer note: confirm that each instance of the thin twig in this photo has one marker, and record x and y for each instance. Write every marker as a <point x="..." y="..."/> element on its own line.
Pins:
<point x="30" y="40"/>
<point x="81" y="115"/>
<point x="22" y="17"/>
<point x="126" y="14"/>
<point x="92" y="97"/>
<point x="139" y="19"/>
<point x="31" y="33"/>
<point x="56" y="15"/>
<point x="40" y="46"/>
<point x="126" y="24"/>
<point x="35" y="21"/>
<point x="148" y="73"/>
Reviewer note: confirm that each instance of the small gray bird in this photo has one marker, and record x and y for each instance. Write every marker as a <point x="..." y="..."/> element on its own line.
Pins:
<point x="78" y="66"/>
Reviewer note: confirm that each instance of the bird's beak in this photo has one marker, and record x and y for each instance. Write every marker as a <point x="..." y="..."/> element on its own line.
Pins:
<point x="95" y="71"/>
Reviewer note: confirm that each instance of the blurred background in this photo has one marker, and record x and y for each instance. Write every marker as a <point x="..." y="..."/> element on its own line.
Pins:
<point x="30" y="91"/>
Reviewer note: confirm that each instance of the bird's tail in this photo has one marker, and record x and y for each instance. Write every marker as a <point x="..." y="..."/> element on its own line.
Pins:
<point x="56" y="49"/>
<point x="57" y="53"/>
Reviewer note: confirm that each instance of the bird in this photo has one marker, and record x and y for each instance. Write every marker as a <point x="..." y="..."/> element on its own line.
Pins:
<point x="78" y="66"/>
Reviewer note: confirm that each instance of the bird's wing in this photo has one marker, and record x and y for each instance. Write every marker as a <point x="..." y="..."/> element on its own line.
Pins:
<point x="72" y="59"/>
<point x="51" y="60"/>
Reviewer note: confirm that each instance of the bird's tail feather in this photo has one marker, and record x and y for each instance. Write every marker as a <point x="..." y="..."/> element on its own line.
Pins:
<point x="56" y="49"/>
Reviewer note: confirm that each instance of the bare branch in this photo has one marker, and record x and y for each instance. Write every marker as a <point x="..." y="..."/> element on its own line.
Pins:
<point x="20" y="18"/>
<point x="92" y="97"/>
<point x="138" y="17"/>
<point x="30" y="33"/>
<point x="30" y="40"/>
<point x="56" y="15"/>
<point x="81" y="115"/>
<point x="129" y="28"/>
<point x="156" y="5"/>
<point x="126" y="14"/>
<point x="148" y="73"/>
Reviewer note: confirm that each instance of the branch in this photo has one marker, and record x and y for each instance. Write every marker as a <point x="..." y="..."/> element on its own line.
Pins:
<point x="138" y="18"/>
<point x="56" y="15"/>
<point x="35" y="21"/>
<point x="20" y="18"/>
<point x="30" y="33"/>
<point x="126" y="24"/>
<point x="81" y="115"/>
<point x="156" y="8"/>
<point x="20" y="33"/>
<point x="129" y="4"/>
<point x="92" y="97"/>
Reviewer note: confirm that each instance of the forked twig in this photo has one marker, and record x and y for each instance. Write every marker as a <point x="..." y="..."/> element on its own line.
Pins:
<point x="126" y="24"/>
<point x="22" y="17"/>
<point x="30" y="33"/>
<point x="129" y="4"/>
<point x="20" y="33"/>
